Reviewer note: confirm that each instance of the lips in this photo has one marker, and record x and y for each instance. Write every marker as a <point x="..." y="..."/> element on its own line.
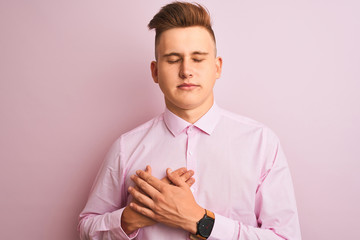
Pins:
<point x="187" y="86"/>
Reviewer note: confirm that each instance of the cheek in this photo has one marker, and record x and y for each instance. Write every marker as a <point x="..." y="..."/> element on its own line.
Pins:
<point x="209" y="67"/>
<point x="209" y="71"/>
<point x="167" y="79"/>
<point x="167" y="72"/>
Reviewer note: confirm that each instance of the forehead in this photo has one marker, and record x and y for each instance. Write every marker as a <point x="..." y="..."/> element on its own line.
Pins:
<point x="184" y="40"/>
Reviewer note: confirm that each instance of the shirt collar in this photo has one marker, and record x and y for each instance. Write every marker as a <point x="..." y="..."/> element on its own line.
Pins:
<point x="206" y="123"/>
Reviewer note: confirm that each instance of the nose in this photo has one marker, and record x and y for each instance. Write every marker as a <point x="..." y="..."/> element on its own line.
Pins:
<point x="186" y="70"/>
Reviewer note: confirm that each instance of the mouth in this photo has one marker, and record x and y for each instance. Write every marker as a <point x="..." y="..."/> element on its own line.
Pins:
<point x="187" y="86"/>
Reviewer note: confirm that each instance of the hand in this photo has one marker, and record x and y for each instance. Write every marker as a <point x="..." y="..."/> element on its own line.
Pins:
<point x="132" y="220"/>
<point x="173" y="205"/>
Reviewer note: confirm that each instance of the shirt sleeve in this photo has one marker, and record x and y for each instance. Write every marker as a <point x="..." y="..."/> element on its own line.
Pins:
<point x="101" y="217"/>
<point x="275" y="206"/>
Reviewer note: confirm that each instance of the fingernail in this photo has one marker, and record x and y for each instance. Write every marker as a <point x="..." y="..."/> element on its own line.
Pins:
<point x="132" y="177"/>
<point x="138" y="172"/>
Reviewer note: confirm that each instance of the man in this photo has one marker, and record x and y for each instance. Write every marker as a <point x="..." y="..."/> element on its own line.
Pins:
<point x="232" y="180"/>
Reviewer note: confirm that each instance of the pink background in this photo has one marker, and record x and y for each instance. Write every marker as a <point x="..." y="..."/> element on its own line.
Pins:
<point x="74" y="75"/>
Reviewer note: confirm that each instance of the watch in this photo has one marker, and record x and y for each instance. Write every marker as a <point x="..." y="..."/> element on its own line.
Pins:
<point x="205" y="225"/>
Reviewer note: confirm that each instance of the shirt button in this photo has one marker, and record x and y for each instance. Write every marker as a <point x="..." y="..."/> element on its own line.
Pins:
<point x="189" y="129"/>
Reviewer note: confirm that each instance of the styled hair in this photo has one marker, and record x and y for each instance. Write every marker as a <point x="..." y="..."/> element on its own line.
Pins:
<point x="180" y="15"/>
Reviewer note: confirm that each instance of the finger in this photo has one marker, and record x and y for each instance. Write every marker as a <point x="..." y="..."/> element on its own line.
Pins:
<point x="179" y="172"/>
<point x="148" y="169"/>
<point x="144" y="187"/>
<point x="187" y="175"/>
<point x="142" y="210"/>
<point x="140" y="197"/>
<point x="190" y="181"/>
<point x="166" y="180"/>
<point x="175" y="179"/>
<point x="150" y="180"/>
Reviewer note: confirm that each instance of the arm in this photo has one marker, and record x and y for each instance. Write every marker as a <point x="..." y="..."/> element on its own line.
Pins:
<point x="275" y="205"/>
<point x="102" y="215"/>
<point x="123" y="223"/>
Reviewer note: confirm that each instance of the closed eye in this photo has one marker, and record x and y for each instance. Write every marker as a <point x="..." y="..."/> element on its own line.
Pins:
<point x="197" y="60"/>
<point x="173" y="61"/>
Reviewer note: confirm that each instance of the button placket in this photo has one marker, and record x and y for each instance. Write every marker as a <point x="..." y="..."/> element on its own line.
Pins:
<point x="190" y="161"/>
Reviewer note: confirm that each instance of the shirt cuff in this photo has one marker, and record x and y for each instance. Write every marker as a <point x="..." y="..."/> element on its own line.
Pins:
<point x="224" y="228"/>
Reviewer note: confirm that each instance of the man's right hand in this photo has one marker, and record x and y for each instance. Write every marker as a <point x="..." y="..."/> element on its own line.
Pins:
<point x="131" y="220"/>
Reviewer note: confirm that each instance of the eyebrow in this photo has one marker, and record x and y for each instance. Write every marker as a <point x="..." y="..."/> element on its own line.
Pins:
<point x="179" y="55"/>
<point x="199" y="53"/>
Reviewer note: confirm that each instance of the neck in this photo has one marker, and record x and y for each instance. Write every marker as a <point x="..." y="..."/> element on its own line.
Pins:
<point x="190" y="115"/>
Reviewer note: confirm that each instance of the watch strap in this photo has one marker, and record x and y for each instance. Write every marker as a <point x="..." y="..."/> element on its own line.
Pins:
<point x="197" y="236"/>
<point x="210" y="214"/>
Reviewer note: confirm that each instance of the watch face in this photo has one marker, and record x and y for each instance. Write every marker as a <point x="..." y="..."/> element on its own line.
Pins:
<point x="205" y="227"/>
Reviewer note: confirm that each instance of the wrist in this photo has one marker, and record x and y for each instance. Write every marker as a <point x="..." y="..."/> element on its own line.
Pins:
<point x="127" y="225"/>
<point x="192" y="223"/>
<point x="204" y="226"/>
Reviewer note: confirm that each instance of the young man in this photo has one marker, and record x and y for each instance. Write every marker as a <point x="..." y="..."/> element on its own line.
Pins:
<point x="232" y="180"/>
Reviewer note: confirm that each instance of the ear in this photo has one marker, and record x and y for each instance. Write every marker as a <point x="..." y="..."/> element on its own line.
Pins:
<point x="154" y="71"/>
<point x="218" y="65"/>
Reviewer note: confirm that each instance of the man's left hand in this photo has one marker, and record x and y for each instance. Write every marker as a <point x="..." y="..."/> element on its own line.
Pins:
<point x="173" y="205"/>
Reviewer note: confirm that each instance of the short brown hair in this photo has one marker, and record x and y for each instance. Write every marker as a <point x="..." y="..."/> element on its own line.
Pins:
<point x="180" y="14"/>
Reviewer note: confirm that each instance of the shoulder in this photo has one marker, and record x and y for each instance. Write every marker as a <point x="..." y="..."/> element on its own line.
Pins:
<point x="264" y="140"/>
<point x="144" y="128"/>
<point x="129" y="140"/>
<point x="240" y="119"/>
<point x="236" y="122"/>
<point x="132" y="138"/>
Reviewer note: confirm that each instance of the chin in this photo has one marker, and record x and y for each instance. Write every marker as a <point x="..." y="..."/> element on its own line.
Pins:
<point x="189" y="105"/>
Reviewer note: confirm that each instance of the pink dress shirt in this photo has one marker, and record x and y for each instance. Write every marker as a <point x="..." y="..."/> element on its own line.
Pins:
<point x="241" y="175"/>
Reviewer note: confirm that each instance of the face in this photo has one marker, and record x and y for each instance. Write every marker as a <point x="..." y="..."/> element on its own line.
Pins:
<point x="186" y="68"/>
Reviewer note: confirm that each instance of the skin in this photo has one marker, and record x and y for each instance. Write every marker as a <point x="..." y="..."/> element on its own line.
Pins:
<point x="173" y="205"/>
<point x="186" y="56"/>
<point x="132" y="220"/>
<point x="186" y="70"/>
